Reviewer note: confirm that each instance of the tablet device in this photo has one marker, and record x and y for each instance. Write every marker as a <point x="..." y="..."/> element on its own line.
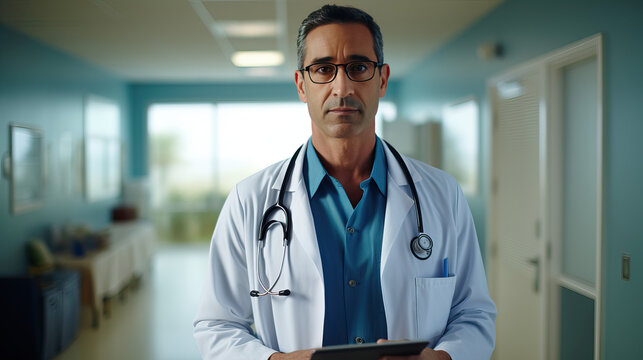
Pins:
<point x="370" y="351"/>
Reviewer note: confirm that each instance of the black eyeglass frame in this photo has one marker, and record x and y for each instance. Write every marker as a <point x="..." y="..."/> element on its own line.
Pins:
<point x="378" y="65"/>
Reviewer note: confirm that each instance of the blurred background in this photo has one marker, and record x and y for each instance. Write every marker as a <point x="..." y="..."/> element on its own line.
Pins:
<point x="125" y="124"/>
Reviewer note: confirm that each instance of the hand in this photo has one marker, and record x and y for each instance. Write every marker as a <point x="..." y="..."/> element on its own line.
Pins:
<point x="295" y="355"/>
<point x="426" y="354"/>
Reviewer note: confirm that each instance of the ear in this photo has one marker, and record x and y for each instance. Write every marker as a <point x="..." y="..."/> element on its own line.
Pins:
<point x="384" y="74"/>
<point x="301" y="87"/>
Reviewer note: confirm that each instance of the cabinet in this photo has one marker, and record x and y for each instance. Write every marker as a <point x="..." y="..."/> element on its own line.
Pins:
<point x="40" y="314"/>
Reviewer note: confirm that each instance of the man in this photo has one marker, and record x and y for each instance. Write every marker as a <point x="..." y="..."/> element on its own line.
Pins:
<point x="351" y="272"/>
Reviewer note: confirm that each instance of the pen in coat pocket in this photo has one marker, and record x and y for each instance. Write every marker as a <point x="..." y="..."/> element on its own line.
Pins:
<point x="446" y="267"/>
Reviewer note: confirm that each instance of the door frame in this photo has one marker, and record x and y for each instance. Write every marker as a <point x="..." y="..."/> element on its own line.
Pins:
<point x="549" y="66"/>
<point x="577" y="52"/>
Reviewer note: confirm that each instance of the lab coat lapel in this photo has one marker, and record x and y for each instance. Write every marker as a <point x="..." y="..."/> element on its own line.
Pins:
<point x="305" y="306"/>
<point x="303" y="226"/>
<point x="399" y="204"/>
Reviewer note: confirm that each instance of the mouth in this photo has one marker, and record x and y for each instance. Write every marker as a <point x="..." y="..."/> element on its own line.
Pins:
<point x="343" y="110"/>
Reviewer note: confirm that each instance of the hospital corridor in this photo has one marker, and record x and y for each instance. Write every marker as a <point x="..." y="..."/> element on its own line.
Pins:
<point x="154" y="320"/>
<point x="219" y="179"/>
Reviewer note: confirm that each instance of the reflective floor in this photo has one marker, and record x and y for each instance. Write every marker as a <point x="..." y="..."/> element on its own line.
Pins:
<point x="153" y="321"/>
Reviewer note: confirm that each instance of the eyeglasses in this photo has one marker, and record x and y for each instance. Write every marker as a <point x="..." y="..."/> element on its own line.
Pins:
<point x="324" y="73"/>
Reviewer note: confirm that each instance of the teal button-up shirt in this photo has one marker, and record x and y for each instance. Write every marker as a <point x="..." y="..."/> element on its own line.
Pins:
<point x="350" y="244"/>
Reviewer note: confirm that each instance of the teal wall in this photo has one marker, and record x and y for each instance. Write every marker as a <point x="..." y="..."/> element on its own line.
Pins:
<point x="528" y="29"/>
<point x="143" y="95"/>
<point x="44" y="88"/>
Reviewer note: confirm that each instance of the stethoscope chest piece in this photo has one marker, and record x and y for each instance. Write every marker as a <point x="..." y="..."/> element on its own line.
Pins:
<point x="422" y="246"/>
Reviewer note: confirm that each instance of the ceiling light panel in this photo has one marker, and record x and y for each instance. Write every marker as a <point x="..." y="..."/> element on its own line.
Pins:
<point x="257" y="58"/>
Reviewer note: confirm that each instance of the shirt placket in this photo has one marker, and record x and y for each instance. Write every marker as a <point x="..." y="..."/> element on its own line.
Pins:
<point x="353" y="272"/>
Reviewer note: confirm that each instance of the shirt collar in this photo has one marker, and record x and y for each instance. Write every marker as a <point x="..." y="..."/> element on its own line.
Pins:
<point x="315" y="169"/>
<point x="316" y="173"/>
<point x="378" y="174"/>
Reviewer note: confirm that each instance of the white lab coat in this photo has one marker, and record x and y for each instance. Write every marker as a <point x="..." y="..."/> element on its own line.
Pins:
<point x="454" y="313"/>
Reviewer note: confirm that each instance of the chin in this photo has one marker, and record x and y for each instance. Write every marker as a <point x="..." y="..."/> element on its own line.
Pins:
<point x="346" y="131"/>
<point x="343" y="127"/>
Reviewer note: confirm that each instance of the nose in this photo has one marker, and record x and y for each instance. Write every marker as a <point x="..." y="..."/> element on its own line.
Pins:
<point x="342" y="85"/>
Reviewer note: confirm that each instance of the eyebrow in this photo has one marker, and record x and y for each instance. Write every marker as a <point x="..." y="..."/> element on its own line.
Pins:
<point x="328" y="59"/>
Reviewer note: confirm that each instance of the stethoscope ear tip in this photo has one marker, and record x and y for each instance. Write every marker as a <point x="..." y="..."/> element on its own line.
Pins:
<point x="254" y="293"/>
<point x="284" y="292"/>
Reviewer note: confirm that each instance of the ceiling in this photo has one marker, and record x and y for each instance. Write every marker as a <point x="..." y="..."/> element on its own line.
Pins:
<point x="181" y="40"/>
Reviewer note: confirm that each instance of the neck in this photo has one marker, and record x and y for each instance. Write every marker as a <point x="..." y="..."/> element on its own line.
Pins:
<point x="350" y="161"/>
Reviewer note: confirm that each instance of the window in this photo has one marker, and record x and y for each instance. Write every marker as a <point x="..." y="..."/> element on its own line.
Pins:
<point x="198" y="152"/>
<point x="460" y="134"/>
<point x="102" y="149"/>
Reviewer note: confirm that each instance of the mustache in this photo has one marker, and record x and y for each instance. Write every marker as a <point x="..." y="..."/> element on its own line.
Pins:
<point x="342" y="102"/>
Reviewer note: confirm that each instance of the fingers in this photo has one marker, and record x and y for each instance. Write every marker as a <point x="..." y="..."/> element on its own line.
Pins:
<point x="381" y="341"/>
<point x="412" y="357"/>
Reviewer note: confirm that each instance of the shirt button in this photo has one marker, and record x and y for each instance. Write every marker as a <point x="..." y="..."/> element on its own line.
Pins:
<point x="350" y="230"/>
<point x="359" y="340"/>
<point x="352" y="283"/>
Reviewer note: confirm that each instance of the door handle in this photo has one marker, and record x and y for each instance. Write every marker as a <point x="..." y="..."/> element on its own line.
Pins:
<point x="535" y="261"/>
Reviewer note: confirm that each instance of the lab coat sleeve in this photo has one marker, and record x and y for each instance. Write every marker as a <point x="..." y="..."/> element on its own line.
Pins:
<point x="222" y="324"/>
<point x="470" y="331"/>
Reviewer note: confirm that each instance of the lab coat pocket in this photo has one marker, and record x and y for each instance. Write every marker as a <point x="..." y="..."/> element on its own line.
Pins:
<point x="433" y="297"/>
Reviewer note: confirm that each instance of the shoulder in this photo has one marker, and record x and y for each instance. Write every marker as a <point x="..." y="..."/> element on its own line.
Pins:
<point x="437" y="187"/>
<point x="434" y="177"/>
<point x="441" y="190"/>
<point x="260" y="182"/>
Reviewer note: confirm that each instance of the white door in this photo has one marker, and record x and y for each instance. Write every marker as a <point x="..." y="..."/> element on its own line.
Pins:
<point x="517" y="250"/>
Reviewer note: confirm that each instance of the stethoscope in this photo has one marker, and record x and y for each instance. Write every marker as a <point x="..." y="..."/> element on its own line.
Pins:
<point x="421" y="245"/>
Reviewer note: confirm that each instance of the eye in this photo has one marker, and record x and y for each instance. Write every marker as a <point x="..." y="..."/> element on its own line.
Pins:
<point x="323" y="69"/>
<point x="358" y="67"/>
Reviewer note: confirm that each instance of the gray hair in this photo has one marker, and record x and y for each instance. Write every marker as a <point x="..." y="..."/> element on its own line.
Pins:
<point x="335" y="14"/>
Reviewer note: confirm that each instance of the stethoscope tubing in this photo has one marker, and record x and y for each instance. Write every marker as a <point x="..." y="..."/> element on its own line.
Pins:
<point x="417" y="250"/>
<point x="286" y="229"/>
<point x="268" y="289"/>
<point x="409" y="179"/>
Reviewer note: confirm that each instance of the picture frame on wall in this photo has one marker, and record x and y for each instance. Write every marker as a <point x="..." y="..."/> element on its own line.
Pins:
<point x="26" y="168"/>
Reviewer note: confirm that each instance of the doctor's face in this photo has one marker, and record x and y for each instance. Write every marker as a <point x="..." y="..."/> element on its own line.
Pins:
<point x="342" y="108"/>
